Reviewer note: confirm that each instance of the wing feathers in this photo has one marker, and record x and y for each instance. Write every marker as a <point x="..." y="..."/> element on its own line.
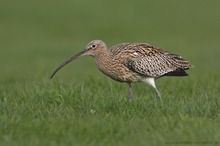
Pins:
<point x="158" y="63"/>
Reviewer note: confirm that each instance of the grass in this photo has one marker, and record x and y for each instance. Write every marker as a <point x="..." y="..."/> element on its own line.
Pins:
<point x="62" y="114"/>
<point x="80" y="106"/>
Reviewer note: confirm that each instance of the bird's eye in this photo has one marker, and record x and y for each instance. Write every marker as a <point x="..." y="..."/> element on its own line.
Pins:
<point x="93" y="46"/>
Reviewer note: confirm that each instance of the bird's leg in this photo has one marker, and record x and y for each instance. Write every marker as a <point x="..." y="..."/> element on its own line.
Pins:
<point x="130" y="91"/>
<point x="158" y="95"/>
<point x="151" y="82"/>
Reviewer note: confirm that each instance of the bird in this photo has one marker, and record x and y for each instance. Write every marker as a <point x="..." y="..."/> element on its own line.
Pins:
<point x="133" y="62"/>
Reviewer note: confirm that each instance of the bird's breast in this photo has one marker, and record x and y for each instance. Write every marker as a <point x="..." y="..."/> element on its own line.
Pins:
<point x="116" y="70"/>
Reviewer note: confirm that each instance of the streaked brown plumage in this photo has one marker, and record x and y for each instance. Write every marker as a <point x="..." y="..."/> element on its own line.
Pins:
<point x="133" y="62"/>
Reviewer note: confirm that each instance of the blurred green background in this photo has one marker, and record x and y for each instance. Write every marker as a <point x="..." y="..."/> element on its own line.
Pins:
<point x="38" y="35"/>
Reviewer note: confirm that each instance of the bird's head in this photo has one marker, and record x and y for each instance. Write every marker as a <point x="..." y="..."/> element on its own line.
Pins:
<point x="94" y="47"/>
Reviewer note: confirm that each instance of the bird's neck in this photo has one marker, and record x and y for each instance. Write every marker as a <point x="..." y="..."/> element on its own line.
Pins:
<point x="103" y="60"/>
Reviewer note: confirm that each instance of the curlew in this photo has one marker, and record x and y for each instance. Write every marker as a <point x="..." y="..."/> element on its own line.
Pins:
<point x="133" y="62"/>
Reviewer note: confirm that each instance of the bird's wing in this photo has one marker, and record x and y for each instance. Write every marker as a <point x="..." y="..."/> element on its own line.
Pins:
<point x="149" y="66"/>
<point x="154" y="62"/>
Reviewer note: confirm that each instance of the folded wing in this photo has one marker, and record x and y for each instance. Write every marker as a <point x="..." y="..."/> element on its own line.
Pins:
<point x="158" y="63"/>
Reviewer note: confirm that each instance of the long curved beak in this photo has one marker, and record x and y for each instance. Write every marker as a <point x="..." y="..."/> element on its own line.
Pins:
<point x="67" y="61"/>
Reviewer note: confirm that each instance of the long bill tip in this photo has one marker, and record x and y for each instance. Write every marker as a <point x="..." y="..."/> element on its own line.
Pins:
<point x="56" y="71"/>
<point x="51" y="76"/>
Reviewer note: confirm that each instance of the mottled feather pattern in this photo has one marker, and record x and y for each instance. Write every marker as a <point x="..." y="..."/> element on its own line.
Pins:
<point x="111" y="67"/>
<point x="148" y="60"/>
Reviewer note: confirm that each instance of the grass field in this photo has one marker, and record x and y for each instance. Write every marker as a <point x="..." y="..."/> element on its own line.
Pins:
<point x="81" y="106"/>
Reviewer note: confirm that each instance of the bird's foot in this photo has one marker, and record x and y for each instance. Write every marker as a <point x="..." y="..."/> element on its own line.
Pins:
<point x="158" y="95"/>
